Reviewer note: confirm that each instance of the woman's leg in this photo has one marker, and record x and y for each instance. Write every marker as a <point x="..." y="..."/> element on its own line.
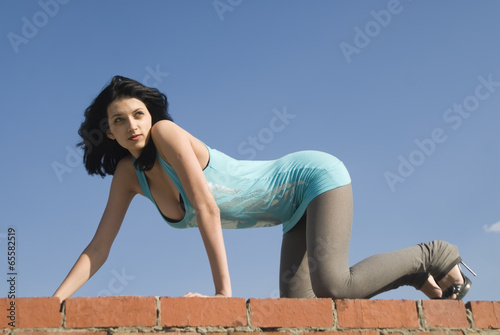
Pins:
<point x="329" y="221"/>
<point x="295" y="274"/>
<point x="295" y="280"/>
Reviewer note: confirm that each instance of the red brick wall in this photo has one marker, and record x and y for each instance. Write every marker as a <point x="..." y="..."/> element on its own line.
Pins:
<point x="132" y="314"/>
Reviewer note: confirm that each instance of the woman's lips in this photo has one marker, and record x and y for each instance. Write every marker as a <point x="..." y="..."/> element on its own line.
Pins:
<point x="135" y="137"/>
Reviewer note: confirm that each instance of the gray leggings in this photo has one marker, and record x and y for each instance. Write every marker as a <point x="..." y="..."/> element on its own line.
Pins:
<point x="314" y="256"/>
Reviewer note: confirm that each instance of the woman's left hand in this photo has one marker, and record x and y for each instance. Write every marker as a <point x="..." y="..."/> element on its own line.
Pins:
<point x="198" y="295"/>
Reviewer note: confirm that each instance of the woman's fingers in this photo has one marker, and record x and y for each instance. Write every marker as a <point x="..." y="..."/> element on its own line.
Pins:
<point x="194" y="295"/>
<point x="199" y="295"/>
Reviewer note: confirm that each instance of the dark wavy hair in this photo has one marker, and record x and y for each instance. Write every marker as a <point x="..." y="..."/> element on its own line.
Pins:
<point x="101" y="154"/>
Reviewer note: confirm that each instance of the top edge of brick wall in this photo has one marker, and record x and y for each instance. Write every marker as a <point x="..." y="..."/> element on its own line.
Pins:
<point x="142" y="311"/>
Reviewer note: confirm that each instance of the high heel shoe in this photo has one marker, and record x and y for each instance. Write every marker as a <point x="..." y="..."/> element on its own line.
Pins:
<point x="459" y="289"/>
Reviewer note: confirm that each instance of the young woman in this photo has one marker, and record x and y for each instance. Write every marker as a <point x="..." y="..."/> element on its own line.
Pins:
<point x="129" y="134"/>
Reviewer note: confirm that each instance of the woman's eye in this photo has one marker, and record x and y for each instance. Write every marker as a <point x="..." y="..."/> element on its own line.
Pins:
<point x="118" y="119"/>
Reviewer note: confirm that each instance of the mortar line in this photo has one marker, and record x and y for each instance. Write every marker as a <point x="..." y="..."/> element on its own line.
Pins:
<point x="63" y="312"/>
<point x="335" y="315"/>
<point x="420" y="314"/>
<point x="158" y="311"/>
<point x="470" y="316"/>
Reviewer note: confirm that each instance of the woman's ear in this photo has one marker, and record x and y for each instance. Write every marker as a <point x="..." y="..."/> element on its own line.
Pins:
<point x="110" y="135"/>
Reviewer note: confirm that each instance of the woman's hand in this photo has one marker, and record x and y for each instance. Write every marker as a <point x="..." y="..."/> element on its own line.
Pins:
<point x="177" y="147"/>
<point x="199" y="295"/>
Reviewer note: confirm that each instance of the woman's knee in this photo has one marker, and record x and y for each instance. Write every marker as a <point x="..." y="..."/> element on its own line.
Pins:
<point x="330" y="291"/>
<point x="329" y="286"/>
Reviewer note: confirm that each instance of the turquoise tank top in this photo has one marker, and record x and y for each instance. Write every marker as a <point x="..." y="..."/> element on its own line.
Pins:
<point x="259" y="193"/>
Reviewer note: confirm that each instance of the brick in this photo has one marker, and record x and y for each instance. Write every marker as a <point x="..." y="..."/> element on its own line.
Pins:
<point x="155" y="333"/>
<point x="110" y="312"/>
<point x="486" y="314"/>
<point x="283" y="312"/>
<point x="367" y="332"/>
<point x="32" y="313"/>
<point x="377" y="313"/>
<point x="445" y="313"/>
<point x="180" y="312"/>
<point x="63" y="333"/>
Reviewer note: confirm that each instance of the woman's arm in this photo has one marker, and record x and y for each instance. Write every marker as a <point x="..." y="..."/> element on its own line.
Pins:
<point x="176" y="147"/>
<point x="96" y="253"/>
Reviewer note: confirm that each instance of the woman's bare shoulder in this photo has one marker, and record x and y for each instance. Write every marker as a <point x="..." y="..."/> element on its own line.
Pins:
<point x="167" y="132"/>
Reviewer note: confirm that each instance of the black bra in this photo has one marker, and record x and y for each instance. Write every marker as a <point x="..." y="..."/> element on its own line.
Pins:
<point x="183" y="208"/>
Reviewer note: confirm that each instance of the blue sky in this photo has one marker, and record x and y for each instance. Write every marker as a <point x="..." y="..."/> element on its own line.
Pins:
<point x="405" y="93"/>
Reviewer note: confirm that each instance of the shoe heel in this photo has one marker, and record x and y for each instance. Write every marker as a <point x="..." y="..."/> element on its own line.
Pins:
<point x="468" y="268"/>
<point x="459" y="289"/>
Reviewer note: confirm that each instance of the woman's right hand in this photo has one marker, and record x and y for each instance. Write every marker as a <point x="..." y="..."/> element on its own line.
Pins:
<point x="199" y="295"/>
<point x="96" y="253"/>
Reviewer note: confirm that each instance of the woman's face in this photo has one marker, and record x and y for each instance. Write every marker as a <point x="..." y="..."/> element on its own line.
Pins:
<point x="129" y="124"/>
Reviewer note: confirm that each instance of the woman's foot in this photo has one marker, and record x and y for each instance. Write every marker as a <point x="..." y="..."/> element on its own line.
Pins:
<point x="431" y="289"/>
<point x="454" y="285"/>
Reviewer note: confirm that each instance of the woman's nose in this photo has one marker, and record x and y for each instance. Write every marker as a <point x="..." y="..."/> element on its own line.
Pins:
<point x="132" y="124"/>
